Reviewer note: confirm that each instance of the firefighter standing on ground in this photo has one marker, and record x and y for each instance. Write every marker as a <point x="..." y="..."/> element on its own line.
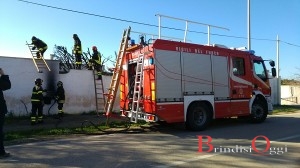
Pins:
<point x="40" y="45"/>
<point x="96" y="62"/>
<point x="4" y="85"/>
<point x="60" y="98"/>
<point x="77" y="50"/>
<point x="37" y="102"/>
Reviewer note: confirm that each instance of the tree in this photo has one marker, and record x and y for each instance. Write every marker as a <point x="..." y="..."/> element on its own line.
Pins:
<point x="290" y="82"/>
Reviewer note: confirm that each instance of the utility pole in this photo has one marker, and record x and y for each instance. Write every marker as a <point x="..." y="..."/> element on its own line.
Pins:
<point x="249" y="32"/>
<point x="277" y="72"/>
<point x="277" y="56"/>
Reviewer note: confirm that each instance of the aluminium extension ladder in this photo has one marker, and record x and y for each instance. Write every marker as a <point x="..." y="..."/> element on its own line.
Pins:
<point x="39" y="63"/>
<point x="99" y="92"/>
<point x="138" y="90"/>
<point x="115" y="81"/>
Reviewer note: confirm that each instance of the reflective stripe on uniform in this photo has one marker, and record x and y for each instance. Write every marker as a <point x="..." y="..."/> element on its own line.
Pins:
<point x="39" y="92"/>
<point x="33" y="119"/>
<point x="44" y="48"/>
<point x="40" y="118"/>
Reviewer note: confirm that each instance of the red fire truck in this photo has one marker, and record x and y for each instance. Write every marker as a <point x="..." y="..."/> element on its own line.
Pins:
<point x="182" y="82"/>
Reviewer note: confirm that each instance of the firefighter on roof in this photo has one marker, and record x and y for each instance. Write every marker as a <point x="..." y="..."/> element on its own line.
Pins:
<point x="96" y="62"/>
<point x="37" y="102"/>
<point x="60" y="98"/>
<point x="40" y="45"/>
<point x="77" y="50"/>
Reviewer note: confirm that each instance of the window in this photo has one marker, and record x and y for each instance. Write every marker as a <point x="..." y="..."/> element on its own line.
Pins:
<point x="260" y="69"/>
<point x="238" y="66"/>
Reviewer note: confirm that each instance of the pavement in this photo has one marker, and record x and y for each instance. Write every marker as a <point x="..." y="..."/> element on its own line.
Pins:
<point x="166" y="148"/>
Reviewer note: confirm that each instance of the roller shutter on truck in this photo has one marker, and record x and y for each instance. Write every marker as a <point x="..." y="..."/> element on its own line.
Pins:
<point x="179" y="73"/>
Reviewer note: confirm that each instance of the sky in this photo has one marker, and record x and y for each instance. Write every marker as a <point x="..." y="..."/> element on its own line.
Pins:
<point x="101" y="23"/>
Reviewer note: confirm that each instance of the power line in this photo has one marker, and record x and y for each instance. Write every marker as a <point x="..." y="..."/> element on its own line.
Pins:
<point x="147" y="24"/>
<point x="102" y="16"/>
<point x="85" y="13"/>
<point x="290" y="44"/>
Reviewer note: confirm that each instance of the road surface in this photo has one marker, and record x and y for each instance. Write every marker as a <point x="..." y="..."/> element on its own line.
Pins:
<point x="172" y="147"/>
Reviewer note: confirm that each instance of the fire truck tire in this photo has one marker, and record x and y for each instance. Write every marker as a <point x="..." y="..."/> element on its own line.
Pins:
<point x="258" y="113"/>
<point x="199" y="115"/>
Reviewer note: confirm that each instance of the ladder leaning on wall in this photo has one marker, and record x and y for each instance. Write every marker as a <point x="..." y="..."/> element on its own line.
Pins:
<point x="99" y="92"/>
<point x="115" y="80"/>
<point x="38" y="61"/>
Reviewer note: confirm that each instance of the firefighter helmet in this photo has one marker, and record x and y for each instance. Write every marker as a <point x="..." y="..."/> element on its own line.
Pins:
<point x="38" y="81"/>
<point x="33" y="38"/>
<point x="59" y="83"/>
<point x="94" y="48"/>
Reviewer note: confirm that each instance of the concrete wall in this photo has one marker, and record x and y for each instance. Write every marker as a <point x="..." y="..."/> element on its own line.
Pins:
<point x="290" y="95"/>
<point x="285" y="94"/>
<point x="78" y="84"/>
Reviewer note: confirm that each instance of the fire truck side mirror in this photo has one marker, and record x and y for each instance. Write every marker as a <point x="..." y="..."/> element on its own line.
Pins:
<point x="273" y="72"/>
<point x="272" y="63"/>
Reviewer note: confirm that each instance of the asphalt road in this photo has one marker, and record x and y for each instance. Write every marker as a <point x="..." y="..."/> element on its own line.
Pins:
<point x="232" y="140"/>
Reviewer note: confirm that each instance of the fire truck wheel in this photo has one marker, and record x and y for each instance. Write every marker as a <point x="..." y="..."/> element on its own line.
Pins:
<point x="199" y="115"/>
<point x="258" y="113"/>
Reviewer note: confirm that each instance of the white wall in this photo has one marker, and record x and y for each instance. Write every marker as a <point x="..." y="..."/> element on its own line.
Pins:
<point x="286" y="95"/>
<point x="290" y="95"/>
<point x="78" y="84"/>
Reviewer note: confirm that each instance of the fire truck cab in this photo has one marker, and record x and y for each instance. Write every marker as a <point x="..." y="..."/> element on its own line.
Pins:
<point x="182" y="82"/>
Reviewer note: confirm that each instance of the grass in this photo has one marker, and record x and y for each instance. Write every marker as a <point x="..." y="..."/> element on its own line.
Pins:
<point x="285" y="109"/>
<point x="25" y="134"/>
<point x="87" y="128"/>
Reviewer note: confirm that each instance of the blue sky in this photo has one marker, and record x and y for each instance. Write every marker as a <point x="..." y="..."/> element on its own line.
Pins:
<point x="269" y="18"/>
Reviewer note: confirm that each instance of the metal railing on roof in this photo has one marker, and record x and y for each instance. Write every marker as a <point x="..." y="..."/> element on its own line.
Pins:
<point x="154" y="36"/>
<point x="186" y="26"/>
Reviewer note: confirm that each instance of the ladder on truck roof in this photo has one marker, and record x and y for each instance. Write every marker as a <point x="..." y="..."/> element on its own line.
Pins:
<point x="38" y="61"/>
<point x="138" y="90"/>
<point x="114" y="84"/>
<point x="99" y="92"/>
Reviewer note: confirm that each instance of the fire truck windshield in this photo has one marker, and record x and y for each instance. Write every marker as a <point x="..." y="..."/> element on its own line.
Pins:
<point x="260" y="70"/>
